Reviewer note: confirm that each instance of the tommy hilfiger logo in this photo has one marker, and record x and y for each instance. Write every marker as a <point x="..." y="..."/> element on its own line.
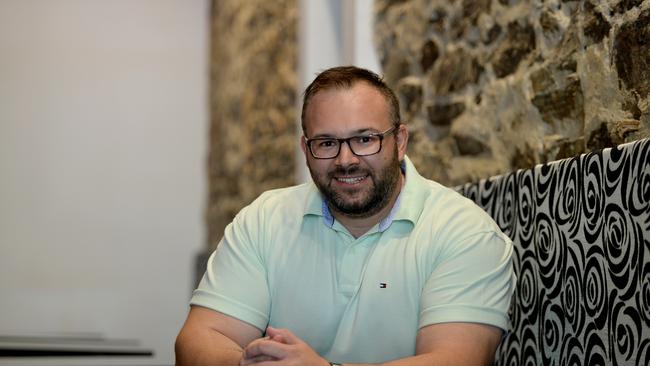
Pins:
<point x="383" y="285"/>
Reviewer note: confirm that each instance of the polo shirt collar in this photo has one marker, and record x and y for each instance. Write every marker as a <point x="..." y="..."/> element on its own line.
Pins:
<point x="328" y="218"/>
<point x="412" y="196"/>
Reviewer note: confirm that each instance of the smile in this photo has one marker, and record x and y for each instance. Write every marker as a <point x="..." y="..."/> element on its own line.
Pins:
<point x="350" y="180"/>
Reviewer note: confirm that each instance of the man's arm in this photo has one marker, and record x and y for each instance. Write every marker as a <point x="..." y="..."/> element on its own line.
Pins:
<point x="212" y="338"/>
<point x="445" y="344"/>
<point x="454" y="344"/>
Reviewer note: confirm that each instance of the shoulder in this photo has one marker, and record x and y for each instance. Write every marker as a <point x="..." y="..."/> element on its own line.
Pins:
<point x="280" y="204"/>
<point x="452" y="215"/>
<point x="289" y="198"/>
<point x="432" y="205"/>
<point x="258" y="222"/>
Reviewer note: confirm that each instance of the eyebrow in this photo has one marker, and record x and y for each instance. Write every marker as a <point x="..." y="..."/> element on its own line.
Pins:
<point x="358" y="132"/>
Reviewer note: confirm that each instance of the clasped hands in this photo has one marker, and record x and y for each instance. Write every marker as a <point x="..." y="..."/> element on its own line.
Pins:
<point x="280" y="347"/>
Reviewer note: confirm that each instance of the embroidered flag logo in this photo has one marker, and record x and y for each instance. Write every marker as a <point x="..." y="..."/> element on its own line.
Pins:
<point x="382" y="285"/>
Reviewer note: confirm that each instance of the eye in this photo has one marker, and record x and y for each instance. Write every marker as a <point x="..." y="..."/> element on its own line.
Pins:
<point x="325" y="144"/>
<point x="365" y="140"/>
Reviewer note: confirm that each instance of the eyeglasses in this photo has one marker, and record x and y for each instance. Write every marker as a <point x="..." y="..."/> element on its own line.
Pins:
<point x="364" y="145"/>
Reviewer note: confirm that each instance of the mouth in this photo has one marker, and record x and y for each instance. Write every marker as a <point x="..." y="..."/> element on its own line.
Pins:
<point x="350" y="180"/>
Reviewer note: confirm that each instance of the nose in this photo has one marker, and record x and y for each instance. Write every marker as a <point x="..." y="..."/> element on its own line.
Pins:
<point x="346" y="157"/>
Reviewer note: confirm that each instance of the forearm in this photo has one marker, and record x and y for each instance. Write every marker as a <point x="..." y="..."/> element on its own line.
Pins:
<point x="432" y="359"/>
<point x="419" y="360"/>
<point x="211" y="349"/>
<point x="452" y="344"/>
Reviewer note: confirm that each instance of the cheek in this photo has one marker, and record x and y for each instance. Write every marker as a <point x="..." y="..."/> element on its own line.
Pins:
<point x="318" y="166"/>
<point x="383" y="158"/>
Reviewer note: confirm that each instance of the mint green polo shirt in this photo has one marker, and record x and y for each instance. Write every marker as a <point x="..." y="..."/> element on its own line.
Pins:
<point x="285" y="262"/>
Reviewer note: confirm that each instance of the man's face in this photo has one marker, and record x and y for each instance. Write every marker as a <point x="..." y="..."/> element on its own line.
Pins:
<point x="356" y="186"/>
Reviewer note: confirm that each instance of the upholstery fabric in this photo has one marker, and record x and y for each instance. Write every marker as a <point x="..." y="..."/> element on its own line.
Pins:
<point x="581" y="229"/>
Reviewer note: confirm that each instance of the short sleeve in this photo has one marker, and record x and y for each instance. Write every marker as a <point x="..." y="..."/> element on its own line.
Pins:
<point x="235" y="281"/>
<point x="472" y="281"/>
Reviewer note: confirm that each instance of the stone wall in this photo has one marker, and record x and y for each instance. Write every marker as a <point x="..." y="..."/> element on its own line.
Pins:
<point x="487" y="86"/>
<point x="253" y="94"/>
<point x="490" y="86"/>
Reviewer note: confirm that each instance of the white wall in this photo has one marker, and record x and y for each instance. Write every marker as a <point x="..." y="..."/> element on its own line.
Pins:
<point x="103" y="134"/>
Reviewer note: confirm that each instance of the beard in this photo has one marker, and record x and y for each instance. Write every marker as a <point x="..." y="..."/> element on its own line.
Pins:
<point x="372" y="200"/>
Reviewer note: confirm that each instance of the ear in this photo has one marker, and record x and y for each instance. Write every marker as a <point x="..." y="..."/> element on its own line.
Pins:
<point x="402" y="136"/>
<point x="303" y="144"/>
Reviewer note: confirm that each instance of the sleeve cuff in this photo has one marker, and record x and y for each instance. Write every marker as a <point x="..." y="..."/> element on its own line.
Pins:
<point x="229" y="307"/>
<point x="465" y="314"/>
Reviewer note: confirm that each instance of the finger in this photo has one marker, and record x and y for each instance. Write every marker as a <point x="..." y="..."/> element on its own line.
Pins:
<point x="287" y="336"/>
<point x="279" y="338"/>
<point x="247" y="352"/>
<point x="265" y="347"/>
<point x="275" y="335"/>
<point x="255" y="360"/>
<point x="264" y="363"/>
<point x="271" y="332"/>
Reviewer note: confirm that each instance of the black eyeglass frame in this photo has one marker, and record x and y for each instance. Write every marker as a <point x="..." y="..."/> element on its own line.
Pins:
<point x="381" y="136"/>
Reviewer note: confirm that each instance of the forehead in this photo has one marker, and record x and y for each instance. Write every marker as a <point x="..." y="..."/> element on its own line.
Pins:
<point x="341" y="111"/>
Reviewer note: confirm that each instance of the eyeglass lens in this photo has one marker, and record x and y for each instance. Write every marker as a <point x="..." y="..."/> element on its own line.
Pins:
<point x="360" y="145"/>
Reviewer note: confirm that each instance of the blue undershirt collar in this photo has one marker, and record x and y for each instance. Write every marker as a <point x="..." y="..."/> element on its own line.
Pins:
<point x="383" y="224"/>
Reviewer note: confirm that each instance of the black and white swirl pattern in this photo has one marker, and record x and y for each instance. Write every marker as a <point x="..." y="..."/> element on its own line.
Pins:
<point x="593" y="202"/>
<point x="566" y="205"/>
<point x="594" y="281"/>
<point x="622" y="251"/>
<point x="642" y="295"/>
<point x="595" y="349"/>
<point x="549" y="244"/>
<point x="581" y="229"/>
<point x="573" y="293"/>
<point x="527" y="209"/>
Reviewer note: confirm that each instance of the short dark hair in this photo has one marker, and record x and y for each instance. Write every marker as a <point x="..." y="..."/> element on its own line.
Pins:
<point x="345" y="77"/>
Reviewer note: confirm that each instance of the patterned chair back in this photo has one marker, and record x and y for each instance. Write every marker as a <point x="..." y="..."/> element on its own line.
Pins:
<point x="581" y="229"/>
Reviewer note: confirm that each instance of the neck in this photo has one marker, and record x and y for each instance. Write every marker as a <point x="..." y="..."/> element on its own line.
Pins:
<point x="358" y="226"/>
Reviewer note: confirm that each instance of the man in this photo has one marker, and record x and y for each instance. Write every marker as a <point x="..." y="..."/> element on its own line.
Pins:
<point x="368" y="264"/>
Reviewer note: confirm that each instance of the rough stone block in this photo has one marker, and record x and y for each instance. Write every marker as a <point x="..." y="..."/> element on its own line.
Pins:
<point x="454" y="71"/>
<point x="443" y="113"/>
<point x="596" y="27"/>
<point x="611" y="134"/>
<point x="429" y="55"/>
<point x="437" y="20"/>
<point x="563" y="103"/>
<point x="548" y="22"/>
<point x="632" y="54"/>
<point x="630" y="105"/>
<point x="491" y="34"/>
<point x="519" y="42"/>
<point x="471" y="9"/>
<point x="569" y="148"/>
<point x="626" y="5"/>
<point x="409" y="92"/>
<point x="470" y="145"/>
<point x="523" y="158"/>
<point x="542" y="80"/>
